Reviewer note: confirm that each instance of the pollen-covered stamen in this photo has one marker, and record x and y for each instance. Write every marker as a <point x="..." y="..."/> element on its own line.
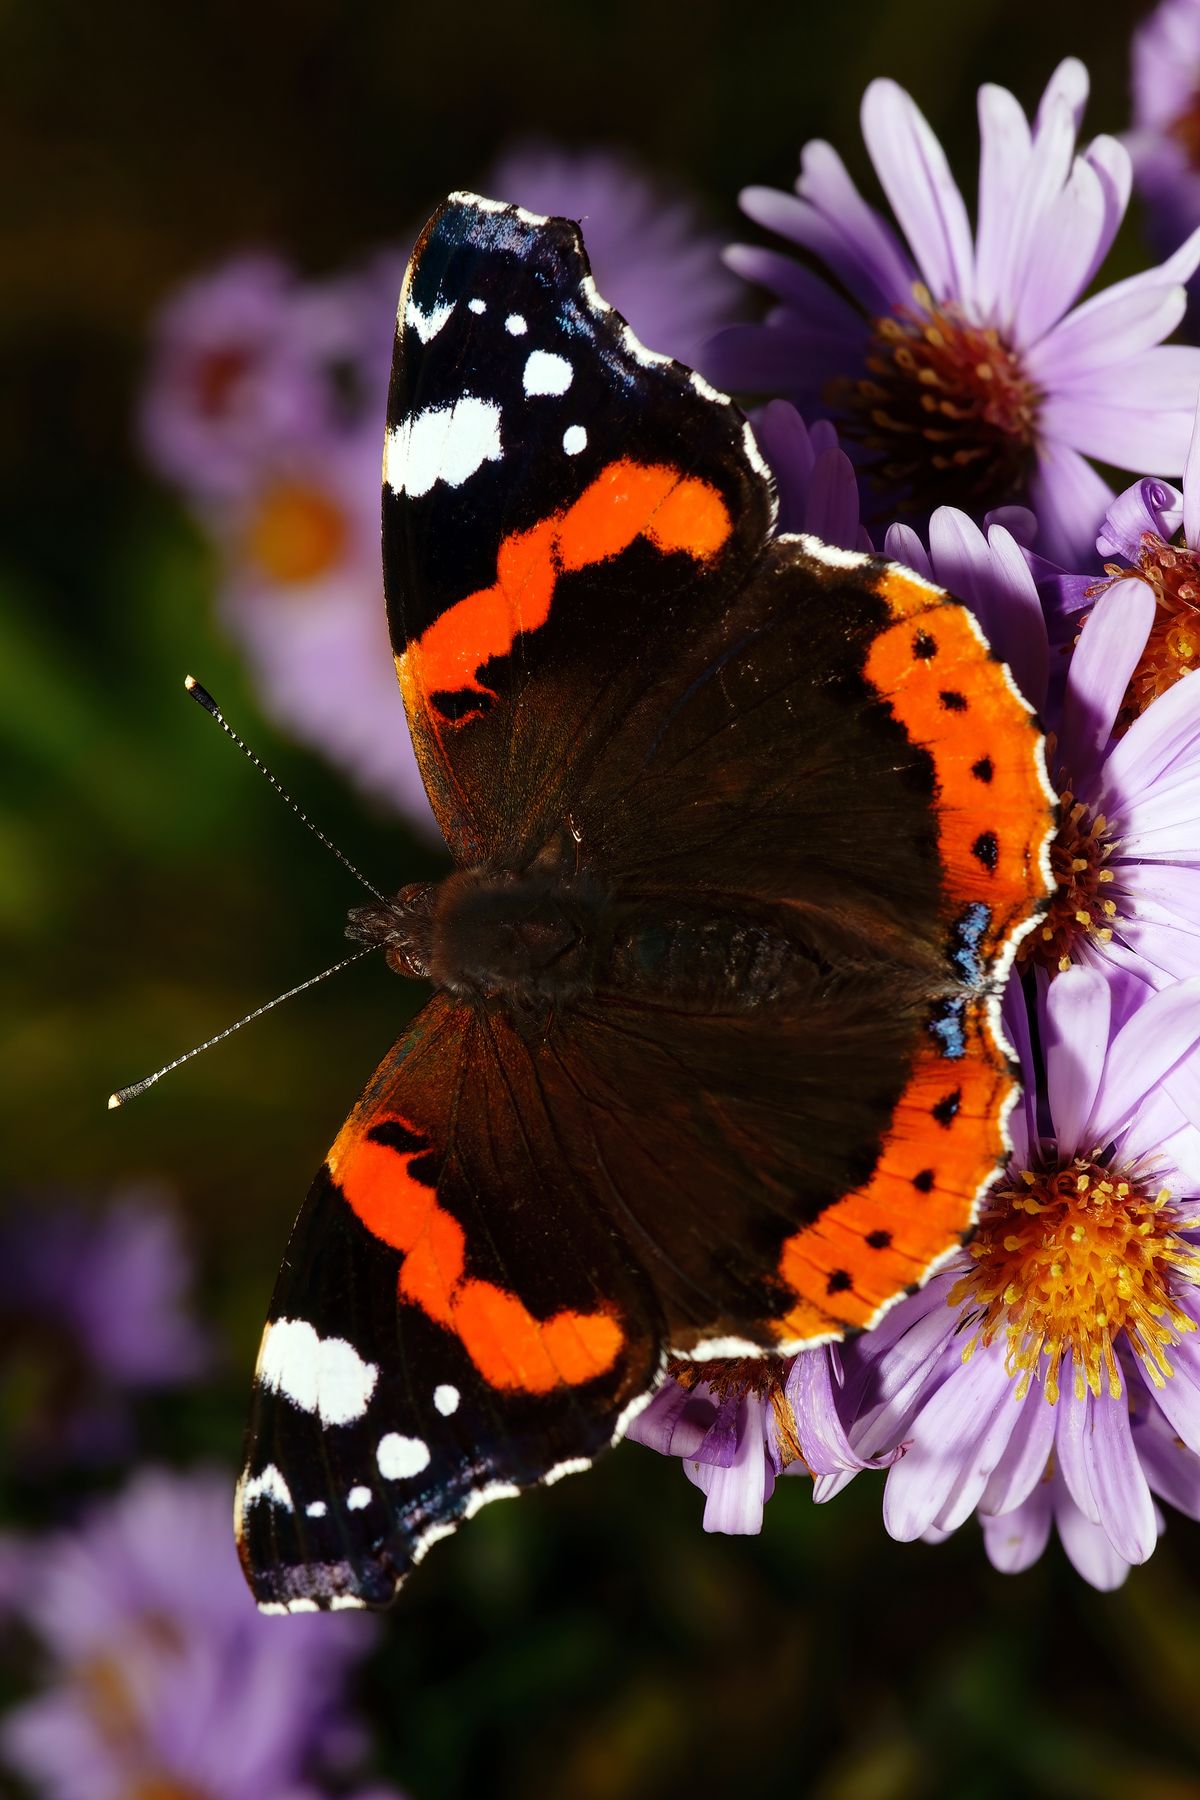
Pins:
<point x="946" y="408"/>
<point x="739" y="1378"/>
<point x="1082" y="1259"/>
<point x="1082" y="905"/>
<point x="296" y="532"/>
<point x="1173" y="647"/>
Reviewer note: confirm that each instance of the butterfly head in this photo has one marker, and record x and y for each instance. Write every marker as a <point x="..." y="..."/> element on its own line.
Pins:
<point x="533" y="937"/>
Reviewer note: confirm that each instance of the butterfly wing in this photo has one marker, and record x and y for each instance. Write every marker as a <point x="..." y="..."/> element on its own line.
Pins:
<point x="451" y="1324"/>
<point x="562" y="512"/>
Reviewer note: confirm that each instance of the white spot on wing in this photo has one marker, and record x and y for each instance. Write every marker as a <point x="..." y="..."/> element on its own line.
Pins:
<point x="267" y="1485"/>
<point x="547" y="373"/>
<point x="427" y="324"/>
<point x="346" y="1603"/>
<point x="316" y="1509"/>
<point x="446" y="1399"/>
<point x="515" y="325"/>
<point x="320" y="1375"/>
<point x="399" y="1457"/>
<point x="443" y="443"/>
<point x="357" y="1498"/>
<point x="574" y="439"/>
<point x="302" y="1605"/>
<point x="477" y="306"/>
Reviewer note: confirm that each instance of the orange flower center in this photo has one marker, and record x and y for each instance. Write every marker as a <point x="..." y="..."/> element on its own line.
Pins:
<point x="1073" y="1259"/>
<point x="1080" y="906"/>
<point x="297" y="532"/>
<point x="945" y="408"/>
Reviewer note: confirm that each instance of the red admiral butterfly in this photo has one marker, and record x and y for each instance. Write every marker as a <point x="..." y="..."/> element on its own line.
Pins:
<point x="746" y="831"/>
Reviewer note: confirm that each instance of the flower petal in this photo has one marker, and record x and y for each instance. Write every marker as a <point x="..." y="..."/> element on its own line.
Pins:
<point x="1088" y="1547"/>
<point x="958" y="1438"/>
<point x="1078" y="1011"/>
<point x="903" y="545"/>
<point x="1169" y="729"/>
<point x="1070" y="500"/>
<point x="1023" y="1466"/>
<point x="916" y="178"/>
<point x="1117" y="1480"/>
<point x="1149" y="505"/>
<point x="1162" y="1031"/>
<point x="1109" y="648"/>
<point x="1014" y="1540"/>
<point x="738" y="1493"/>
<point x="827" y="1448"/>
<point x="1004" y="149"/>
<point x="1191" y="488"/>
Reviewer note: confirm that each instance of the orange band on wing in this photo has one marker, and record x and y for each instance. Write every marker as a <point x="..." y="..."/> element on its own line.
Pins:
<point x="994" y="818"/>
<point x="627" y="500"/>
<point x="509" y="1346"/>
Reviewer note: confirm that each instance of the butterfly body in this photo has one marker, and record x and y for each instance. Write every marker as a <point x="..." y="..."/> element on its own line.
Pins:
<point x="746" y="832"/>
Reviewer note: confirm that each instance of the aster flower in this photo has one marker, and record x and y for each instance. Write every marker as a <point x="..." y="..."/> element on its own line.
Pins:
<point x="652" y="255"/>
<point x="960" y="366"/>
<point x="94" y="1310"/>
<point x="303" y="598"/>
<point x="1044" y="1377"/>
<point x="227" y="377"/>
<point x="1165" y="140"/>
<point x="162" y="1676"/>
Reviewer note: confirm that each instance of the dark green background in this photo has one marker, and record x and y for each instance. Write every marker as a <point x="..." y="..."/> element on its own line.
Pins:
<point x="591" y="1641"/>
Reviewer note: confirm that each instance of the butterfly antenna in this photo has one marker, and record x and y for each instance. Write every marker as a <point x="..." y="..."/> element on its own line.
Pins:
<point x="135" y="1088"/>
<point x="210" y="706"/>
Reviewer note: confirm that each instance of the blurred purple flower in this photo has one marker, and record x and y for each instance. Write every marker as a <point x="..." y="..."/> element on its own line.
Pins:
<point x="652" y="255"/>
<point x="1047" y="1373"/>
<point x="962" y="367"/>
<point x="94" y="1309"/>
<point x="228" y="378"/>
<point x="1164" y="143"/>
<point x="303" y="598"/>
<point x="162" y="1675"/>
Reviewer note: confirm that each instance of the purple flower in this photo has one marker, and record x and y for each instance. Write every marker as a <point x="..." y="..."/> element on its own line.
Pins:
<point x="1046" y="1376"/>
<point x="94" y="1310"/>
<point x="652" y="256"/>
<point x="161" y="1674"/>
<point x="227" y="377"/>
<point x="1164" y="143"/>
<point x="303" y="599"/>
<point x="960" y="365"/>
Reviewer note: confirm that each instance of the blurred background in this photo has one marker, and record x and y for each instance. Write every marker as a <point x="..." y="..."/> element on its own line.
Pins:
<point x="265" y="168"/>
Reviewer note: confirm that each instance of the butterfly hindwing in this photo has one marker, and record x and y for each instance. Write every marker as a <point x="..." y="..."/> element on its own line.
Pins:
<point x="450" y="1325"/>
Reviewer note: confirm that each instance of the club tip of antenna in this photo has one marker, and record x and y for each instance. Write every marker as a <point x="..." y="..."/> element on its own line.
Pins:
<point x="114" y="1100"/>
<point x="200" y="693"/>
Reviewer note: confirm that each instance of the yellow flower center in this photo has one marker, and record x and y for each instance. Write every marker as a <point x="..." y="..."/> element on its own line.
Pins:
<point x="1080" y="906"/>
<point x="946" y="408"/>
<point x="297" y="532"/>
<point x="1076" y="1259"/>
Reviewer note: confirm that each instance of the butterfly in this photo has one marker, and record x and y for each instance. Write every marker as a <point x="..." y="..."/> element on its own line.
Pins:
<point x="746" y="830"/>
